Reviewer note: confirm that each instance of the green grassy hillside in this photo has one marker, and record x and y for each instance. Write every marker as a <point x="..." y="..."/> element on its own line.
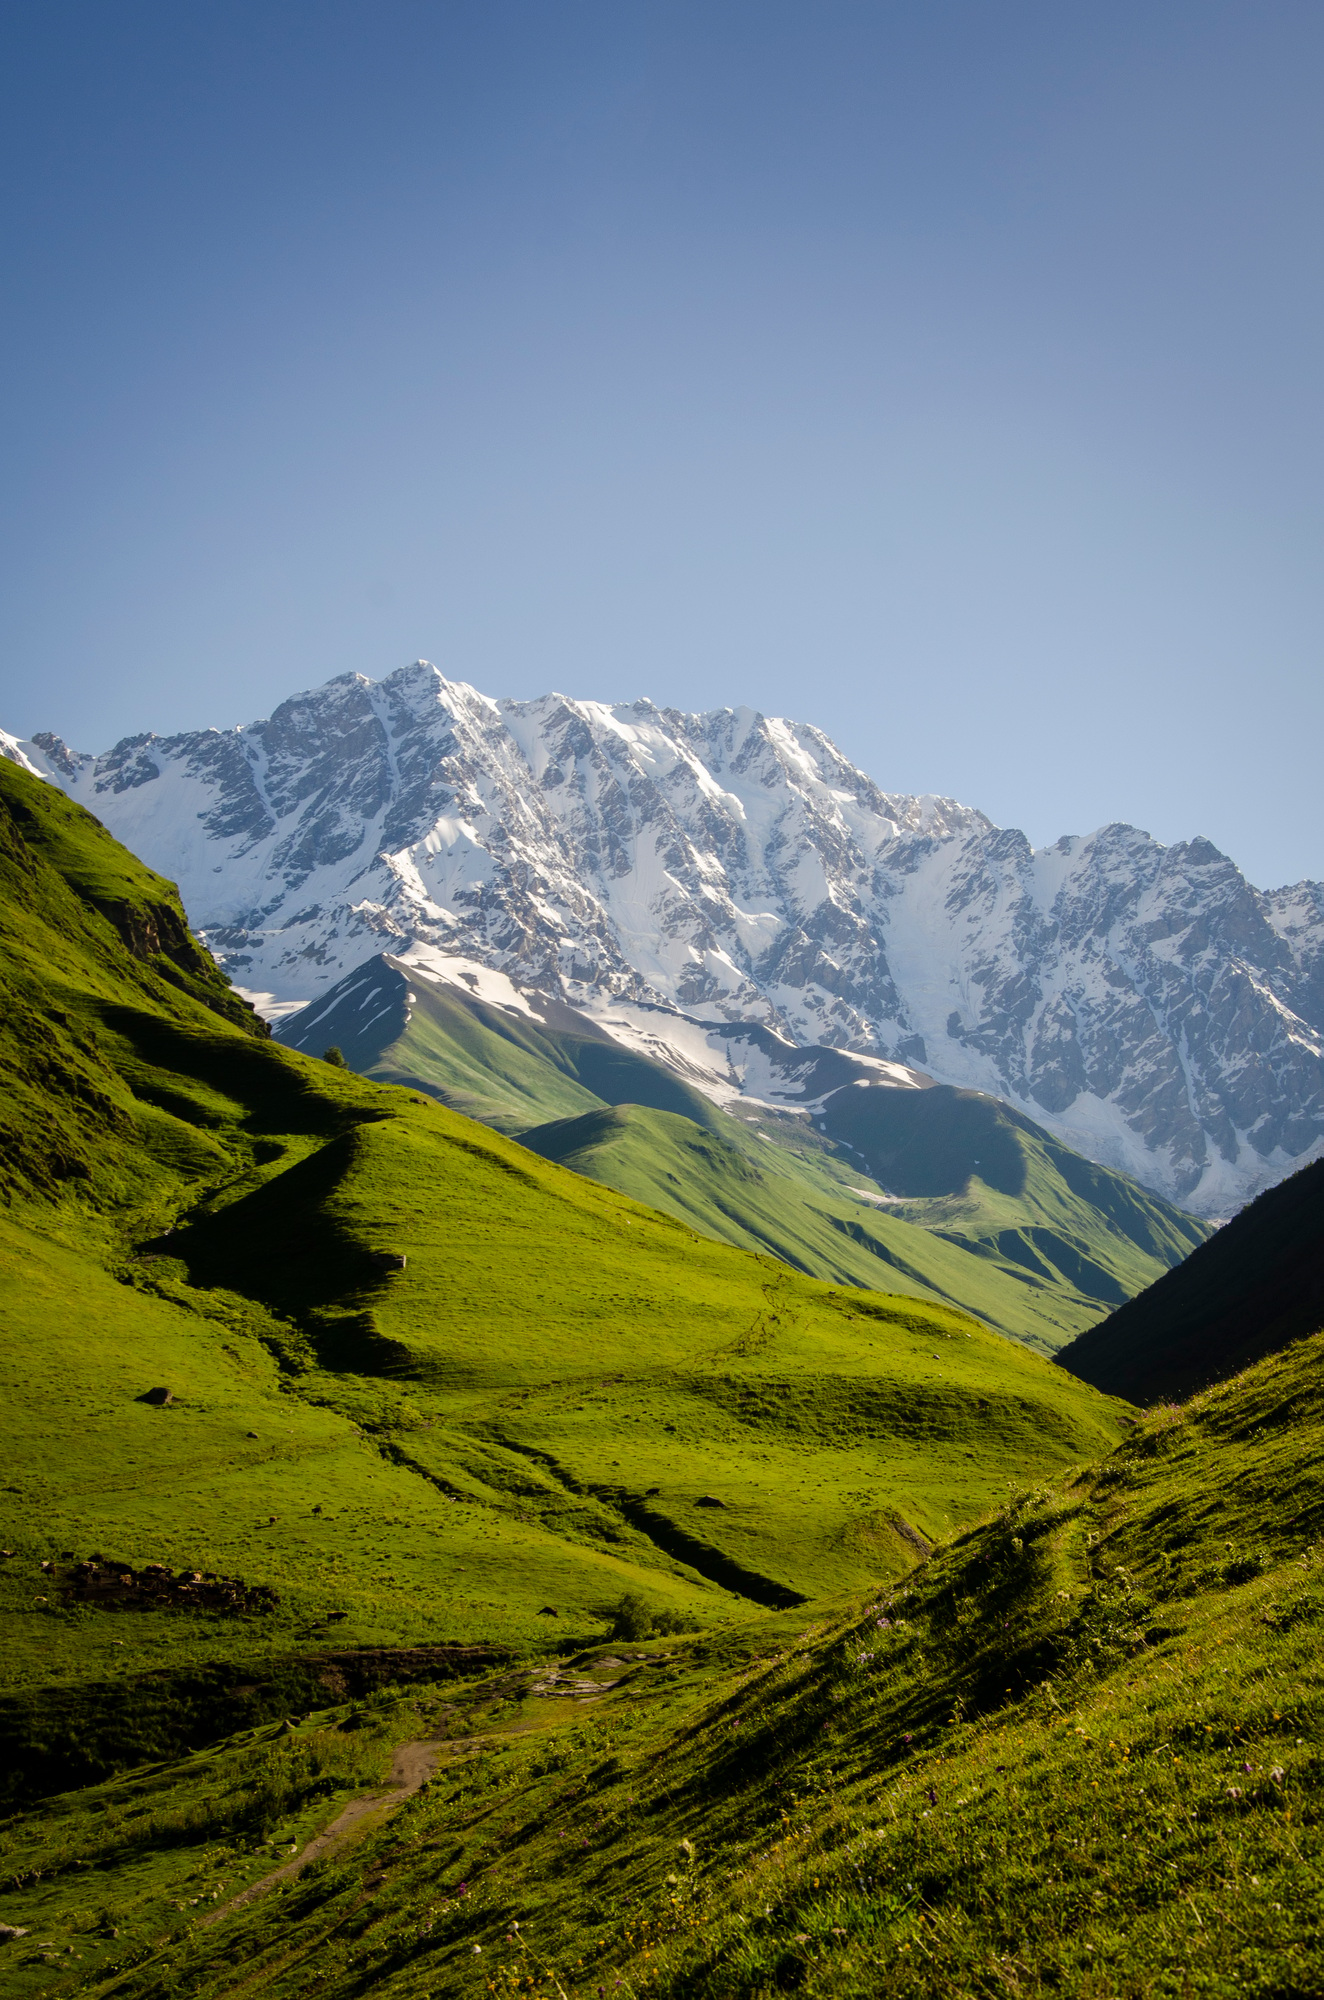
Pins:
<point x="1255" y="1286"/>
<point x="1003" y="1220"/>
<point x="507" y="1069"/>
<point x="1075" y="1752"/>
<point x="795" y="1199"/>
<point x="426" y="1386"/>
<point x="985" y="1177"/>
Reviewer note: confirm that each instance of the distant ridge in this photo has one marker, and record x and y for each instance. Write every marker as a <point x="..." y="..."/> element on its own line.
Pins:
<point x="1254" y="1287"/>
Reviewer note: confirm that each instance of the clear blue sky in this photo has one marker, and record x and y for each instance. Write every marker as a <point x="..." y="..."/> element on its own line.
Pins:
<point x="945" y="374"/>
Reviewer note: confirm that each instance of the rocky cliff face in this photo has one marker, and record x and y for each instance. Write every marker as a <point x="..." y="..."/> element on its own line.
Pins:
<point x="1146" y="1003"/>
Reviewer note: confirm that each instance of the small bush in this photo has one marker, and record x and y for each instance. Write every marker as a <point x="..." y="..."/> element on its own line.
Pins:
<point x="631" y="1618"/>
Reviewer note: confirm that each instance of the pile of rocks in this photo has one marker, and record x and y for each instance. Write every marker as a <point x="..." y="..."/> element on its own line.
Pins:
<point x="118" y="1586"/>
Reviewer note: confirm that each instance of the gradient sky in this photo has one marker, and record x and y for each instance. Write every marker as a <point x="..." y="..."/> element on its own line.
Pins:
<point x="948" y="375"/>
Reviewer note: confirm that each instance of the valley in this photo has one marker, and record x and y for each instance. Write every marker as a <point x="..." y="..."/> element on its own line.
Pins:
<point x="405" y="1355"/>
<point x="850" y="1170"/>
<point x="662" y="1283"/>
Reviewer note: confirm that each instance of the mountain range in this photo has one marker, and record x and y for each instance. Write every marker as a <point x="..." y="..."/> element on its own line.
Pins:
<point x="660" y="871"/>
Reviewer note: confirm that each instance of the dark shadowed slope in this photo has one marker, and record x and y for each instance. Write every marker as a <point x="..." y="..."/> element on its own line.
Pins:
<point x="1248" y="1291"/>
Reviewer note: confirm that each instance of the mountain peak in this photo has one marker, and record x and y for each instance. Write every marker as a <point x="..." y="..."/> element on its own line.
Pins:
<point x="1149" y="1005"/>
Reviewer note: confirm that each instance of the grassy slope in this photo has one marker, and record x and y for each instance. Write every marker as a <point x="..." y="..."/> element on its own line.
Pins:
<point x="795" y="1201"/>
<point x="1032" y="1206"/>
<point x="1256" y="1285"/>
<point x="1011" y="1225"/>
<point x="193" y="1206"/>
<point x="1076" y="1752"/>
<point x="493" y="1064"/>
<point x="559" y="1344"/>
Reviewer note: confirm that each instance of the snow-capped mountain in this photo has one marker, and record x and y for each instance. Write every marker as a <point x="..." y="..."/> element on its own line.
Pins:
<point x="1145" y="1003"/>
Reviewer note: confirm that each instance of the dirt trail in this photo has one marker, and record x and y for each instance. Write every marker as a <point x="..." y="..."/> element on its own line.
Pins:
<point x="411" y="1768"/>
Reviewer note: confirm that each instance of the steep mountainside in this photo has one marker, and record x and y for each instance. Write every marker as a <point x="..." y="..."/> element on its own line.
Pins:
<point x="1030" y="1237"/>
<point x="1145" y="1002"/>
<point x="1248" y="1291"/>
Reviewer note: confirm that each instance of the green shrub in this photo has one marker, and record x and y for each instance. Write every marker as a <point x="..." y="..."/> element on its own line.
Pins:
<point x="631" y="1617"/>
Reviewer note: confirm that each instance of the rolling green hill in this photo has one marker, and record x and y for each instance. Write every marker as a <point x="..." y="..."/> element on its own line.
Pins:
<point x="795" y="1199"/>
<point x="425" y="1385"/>
<point x="1001" y="1219"/>
<point x="982" y="1176"/>
<point x="1255" y="1286"/>
<point x="508" y="1069"/>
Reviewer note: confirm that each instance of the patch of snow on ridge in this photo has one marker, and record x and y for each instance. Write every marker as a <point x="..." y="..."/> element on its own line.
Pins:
<point x="469" y="976"/>
<point x="677" y="1042"/>
<point x="267" y="1005"/>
